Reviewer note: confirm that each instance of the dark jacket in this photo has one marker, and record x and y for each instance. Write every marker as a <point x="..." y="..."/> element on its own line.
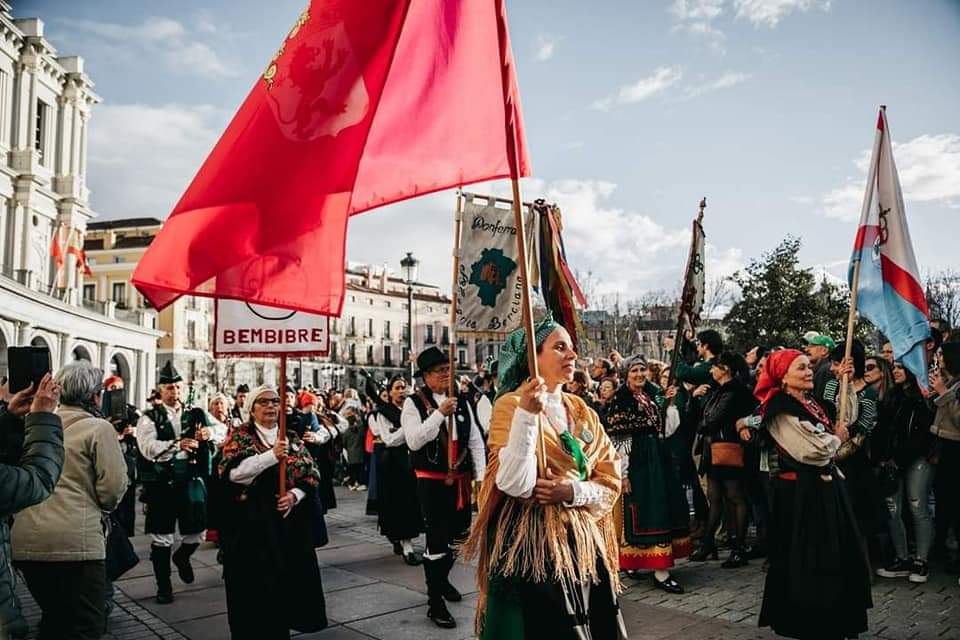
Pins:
<point x="24" y="483"/>
<point x="903" y="430"/>
<point x="722" y="408"/>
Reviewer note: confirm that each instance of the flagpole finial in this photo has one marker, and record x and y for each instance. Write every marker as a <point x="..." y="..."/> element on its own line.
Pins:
<point x="703" y="205"/>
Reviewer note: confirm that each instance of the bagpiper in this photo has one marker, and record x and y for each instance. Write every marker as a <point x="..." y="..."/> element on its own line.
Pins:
<point x="444" y="491"/>
<point x="175" y="461"/>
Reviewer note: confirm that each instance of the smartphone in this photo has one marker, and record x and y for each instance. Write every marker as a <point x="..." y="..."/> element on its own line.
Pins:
<point x="115" y="404"/>
<point x="26" y="365"/>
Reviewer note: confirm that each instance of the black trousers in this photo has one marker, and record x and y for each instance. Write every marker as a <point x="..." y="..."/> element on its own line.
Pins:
<point x="127" y="510"/>
<point x="70" y="596"/>
<point x="443" y="522"/>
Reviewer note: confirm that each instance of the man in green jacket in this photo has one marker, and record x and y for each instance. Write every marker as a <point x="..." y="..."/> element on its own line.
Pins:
<point x="28" y="475"/>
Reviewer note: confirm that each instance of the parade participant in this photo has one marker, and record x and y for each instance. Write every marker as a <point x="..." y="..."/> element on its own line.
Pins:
<point x="444" y="492"/>
<point x="126" y="428"/>
<point x="268" y="541"/>
<point x="818" y="581"/>
<point x="945" y="401"/>
<point x="399" y="515"/>
<point x="546" y="543"/>
<point x="653" y="513"/>
<point x="175" y="455"/>
<point x="239" y="401"/>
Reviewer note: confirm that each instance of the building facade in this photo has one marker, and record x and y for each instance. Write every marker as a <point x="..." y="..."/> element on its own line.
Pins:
<point x="45" y="105"/>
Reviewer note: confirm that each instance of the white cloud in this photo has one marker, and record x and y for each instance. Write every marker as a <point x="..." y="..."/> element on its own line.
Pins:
<point x="770" y="12"/>
<point x="180" y="50"/>
<point x="929" y="169"/>
<point x="696" y="9"/>
<point x="661" y="79"/>
<point x="143" y="157"/>
<point x="546" y="47"/>
<point x="627" y="251"/>
<point x="725" y="81"/>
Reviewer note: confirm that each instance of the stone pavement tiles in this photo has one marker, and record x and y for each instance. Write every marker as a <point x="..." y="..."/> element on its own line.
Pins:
<point x="371" y="593"/>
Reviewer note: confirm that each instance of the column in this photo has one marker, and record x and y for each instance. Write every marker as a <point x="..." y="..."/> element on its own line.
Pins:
<point x="74" y="142"/>
<point x="84" y="122"/>
<point x="16" y="112"/>
<point x="32" y="108"/>
<point x="23" y="332"/>
<point x="58" y="152"/>
<point x="66" y="357"/>
<point x="104" y="358"/>
<point x="138" y="396"/>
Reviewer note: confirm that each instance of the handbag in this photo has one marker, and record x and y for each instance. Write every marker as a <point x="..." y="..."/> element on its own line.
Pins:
<point x="121" y="556"/>
<point x="726" y="454"/>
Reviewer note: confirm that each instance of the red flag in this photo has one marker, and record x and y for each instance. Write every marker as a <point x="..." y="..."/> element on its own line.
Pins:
<point x="56" y="248"/>
<point x="75" y="247"/>
<point x="365" y="103"/>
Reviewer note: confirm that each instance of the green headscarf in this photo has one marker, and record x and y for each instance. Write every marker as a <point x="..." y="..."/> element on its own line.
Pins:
<point x="512" y="367"/>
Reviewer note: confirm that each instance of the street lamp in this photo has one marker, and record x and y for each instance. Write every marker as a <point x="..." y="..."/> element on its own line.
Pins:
<point x="409" y="265"/>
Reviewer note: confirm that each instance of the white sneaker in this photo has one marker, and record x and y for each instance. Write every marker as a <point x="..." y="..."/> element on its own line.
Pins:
<point x="361" y="487"/>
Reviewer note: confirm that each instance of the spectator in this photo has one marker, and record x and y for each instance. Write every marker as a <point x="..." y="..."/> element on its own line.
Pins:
<point x="60" y="545"/>
<point x="945" y="383"/>
<point x="903" y="444"/>
<point x="126" y="429"/>
<point x="887" y="351"/>
<point x="818" y="349"/>
<point x="29" y="472"/>
<point x="729" y="401"/>
<point x="602" y="368"/>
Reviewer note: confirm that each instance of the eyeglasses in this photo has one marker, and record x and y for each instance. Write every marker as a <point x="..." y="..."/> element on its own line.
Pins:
<point x="871" y="367"/>
<point x="265" y="402"/>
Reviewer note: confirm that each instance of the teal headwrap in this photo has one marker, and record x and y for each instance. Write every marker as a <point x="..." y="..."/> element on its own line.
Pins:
<point x="512" y="367"/>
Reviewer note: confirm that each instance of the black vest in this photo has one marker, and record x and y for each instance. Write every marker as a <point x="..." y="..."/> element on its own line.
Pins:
<point x="433" y="455"/>
<point x="198" y="464"/>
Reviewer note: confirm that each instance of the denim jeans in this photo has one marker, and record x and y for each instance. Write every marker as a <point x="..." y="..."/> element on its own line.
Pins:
<point x="915" y="480"/>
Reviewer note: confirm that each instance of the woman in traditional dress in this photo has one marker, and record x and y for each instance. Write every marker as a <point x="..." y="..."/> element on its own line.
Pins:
<point x="268" y="542"/>
<point x="399" y="515"/>
<point x="653" y="516"/>
<point x="545" y="541"/>
<point x="818" y="581"/>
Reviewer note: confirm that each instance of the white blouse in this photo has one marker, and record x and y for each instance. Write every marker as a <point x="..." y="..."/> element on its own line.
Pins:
<point x="517" y="475"/>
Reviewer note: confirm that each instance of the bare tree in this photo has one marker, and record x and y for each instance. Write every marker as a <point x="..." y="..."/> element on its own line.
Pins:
<point x="943" y="296"/>
<point x="718" y="299"/>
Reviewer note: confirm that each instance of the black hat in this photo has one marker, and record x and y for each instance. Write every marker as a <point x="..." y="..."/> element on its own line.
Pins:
<point x="169" y="374"/>
<point x="430" y="358"/>
<point x="243" y="388"/>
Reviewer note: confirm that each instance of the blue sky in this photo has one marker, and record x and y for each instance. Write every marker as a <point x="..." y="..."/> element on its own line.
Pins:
<point x="634" y="110"/>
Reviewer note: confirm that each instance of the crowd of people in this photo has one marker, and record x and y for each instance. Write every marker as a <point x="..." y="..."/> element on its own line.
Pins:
<point x="561" y="486"/>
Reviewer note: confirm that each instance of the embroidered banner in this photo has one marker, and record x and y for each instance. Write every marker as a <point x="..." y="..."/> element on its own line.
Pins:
<point x="488" y="278"/>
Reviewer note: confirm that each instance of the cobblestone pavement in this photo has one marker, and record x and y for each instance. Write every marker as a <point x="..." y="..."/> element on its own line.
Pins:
<point x="370" y="593"/>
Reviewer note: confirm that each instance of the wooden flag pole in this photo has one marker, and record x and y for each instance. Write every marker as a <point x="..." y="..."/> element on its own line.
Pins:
<point x="854" y="285"/>
<point x="452" y="451"/>
<point x="282" y="430"/>
<point x="527" y="310"/>
<point x="678" y="338"/>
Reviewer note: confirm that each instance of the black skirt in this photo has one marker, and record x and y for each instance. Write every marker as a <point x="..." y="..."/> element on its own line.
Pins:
<point x="818" y="582"/>
<point x="399" y="515"/>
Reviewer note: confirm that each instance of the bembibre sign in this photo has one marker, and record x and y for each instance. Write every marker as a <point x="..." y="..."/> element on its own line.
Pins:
<point x="246" y="329"/>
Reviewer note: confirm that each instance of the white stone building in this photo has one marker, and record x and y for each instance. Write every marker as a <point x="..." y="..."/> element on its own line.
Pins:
<point x="45" y="105"/>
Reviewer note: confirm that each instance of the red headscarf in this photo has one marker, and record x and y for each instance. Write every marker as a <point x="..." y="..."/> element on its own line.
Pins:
<point x="774" y="368"/>
<point x="305" y="398"/>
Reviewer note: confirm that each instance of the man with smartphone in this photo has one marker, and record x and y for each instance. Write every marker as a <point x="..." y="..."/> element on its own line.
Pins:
<point x="124" y="417"/>
<point x="174" y="490"/>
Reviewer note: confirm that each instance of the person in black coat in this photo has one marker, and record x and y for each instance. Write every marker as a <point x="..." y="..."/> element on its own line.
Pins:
<point x="729" y="401"/>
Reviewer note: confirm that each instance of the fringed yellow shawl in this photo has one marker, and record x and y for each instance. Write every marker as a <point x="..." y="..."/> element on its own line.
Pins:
<point x="546" y="542"/>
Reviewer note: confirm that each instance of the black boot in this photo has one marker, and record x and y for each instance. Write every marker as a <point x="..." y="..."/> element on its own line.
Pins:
<point x="704" y="551"/>
<point x="160" y="556"/>
<point x="738" y="558"/>
<point x="450" y="593"/>
<point x="181" y="558"/>
<point x="435" y="572"/>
